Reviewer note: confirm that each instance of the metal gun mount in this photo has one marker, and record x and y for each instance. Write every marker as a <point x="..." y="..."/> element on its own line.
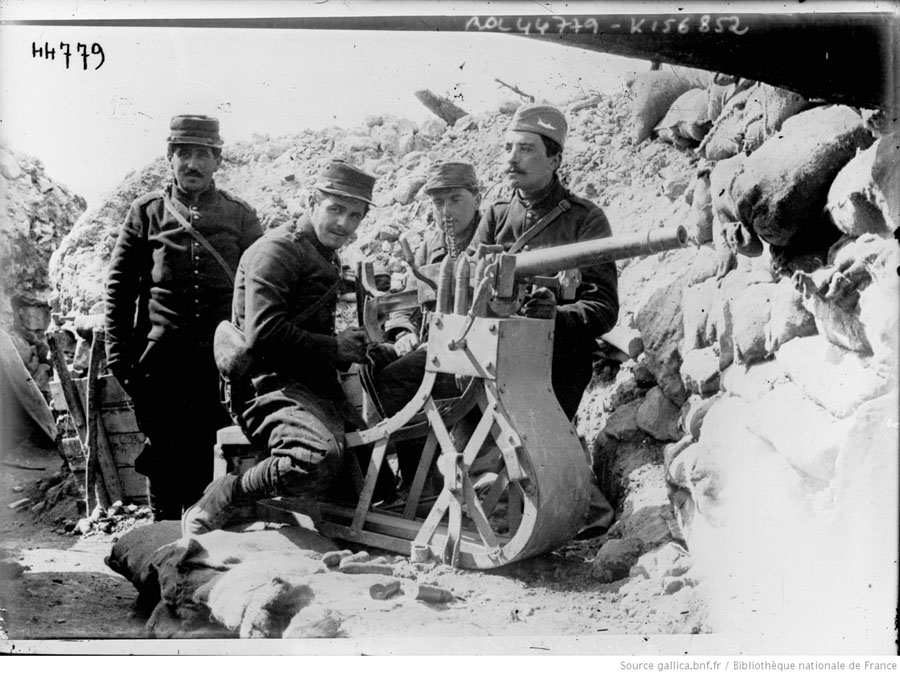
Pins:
<point x="535" y="493"/>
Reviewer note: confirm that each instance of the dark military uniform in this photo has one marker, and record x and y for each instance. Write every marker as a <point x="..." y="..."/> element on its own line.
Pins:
<point x="165" y="294"/>
<point x="594" y="311"/>
<point x="296" y="409"/>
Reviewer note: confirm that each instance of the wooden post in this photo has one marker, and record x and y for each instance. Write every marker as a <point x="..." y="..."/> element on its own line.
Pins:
<point x="104" y="452"/>
<point x="70" y="392"/>
<point x="446" y="110"/>
<point x="93" y="480"/>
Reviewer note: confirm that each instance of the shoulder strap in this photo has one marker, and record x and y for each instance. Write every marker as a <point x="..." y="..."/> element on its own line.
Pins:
<point x="539" y="226"/>
<point x="317" y="305"/>
<point x="199" y="237"/>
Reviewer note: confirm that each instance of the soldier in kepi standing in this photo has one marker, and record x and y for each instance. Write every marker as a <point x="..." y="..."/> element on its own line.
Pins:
<point x="284" y="303"/>
<point x="170" y="282"/>
<point x="542" y="212"/>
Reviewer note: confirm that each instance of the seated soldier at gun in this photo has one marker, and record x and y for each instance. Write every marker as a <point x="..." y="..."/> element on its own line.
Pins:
<point x="455" y="196"/>
<point x="542" y="213"/>
<point x="292" y="403"/>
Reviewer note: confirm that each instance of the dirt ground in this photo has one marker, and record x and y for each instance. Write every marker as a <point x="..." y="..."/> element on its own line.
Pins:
<point x="54" y="584"/>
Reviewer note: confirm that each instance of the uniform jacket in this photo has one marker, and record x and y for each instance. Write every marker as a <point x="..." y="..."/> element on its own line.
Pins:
<point x="433" y="249"/>
<point x="279" y="277"/>
<point x="434" y="246"/>
<point x="162" y="283"/>
<point x="595" y="310"/>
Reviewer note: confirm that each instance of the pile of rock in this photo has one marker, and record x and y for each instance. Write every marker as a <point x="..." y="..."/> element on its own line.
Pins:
<point x="38" y="212"/>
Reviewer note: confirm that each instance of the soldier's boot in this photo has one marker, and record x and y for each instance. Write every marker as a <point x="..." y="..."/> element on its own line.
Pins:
<point x="216" y="507"/>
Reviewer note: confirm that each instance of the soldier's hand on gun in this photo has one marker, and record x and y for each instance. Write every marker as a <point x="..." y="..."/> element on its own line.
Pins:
<point x="540" y="304"/>
<point x="351" y="345"/>
<point x="406" y="343"/>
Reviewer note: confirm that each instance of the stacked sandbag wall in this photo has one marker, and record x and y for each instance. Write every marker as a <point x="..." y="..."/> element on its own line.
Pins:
<point x="768" y="386"/>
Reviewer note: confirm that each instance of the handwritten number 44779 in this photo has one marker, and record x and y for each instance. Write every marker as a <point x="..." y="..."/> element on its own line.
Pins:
<point x="86" y="53"/>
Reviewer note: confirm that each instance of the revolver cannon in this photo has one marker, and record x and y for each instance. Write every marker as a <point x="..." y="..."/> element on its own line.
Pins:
<point x="516" y="480"/>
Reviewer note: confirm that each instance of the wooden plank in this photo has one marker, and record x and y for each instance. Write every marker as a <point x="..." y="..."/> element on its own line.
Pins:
<point x="134" y="485"/>
<point x="126" y="447"/>
<point x="69" y="386"/>
<point x="120" y="421"/>
<point x="90" y="405"/>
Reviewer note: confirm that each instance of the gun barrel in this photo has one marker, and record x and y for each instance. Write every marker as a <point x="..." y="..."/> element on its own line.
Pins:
<point x="549" y="261"/>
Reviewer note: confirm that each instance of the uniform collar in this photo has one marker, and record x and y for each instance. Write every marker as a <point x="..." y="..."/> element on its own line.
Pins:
<point x="205" y="198"/>
<point x="462" y="242"/>
<point x="538" y="200"/>
<point x="303" y="229"/>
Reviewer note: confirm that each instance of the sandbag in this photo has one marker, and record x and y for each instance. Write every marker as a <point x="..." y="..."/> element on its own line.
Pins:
<point x="726" y="136"/>
<point x="767" y="109"/>
<point x="729" y="231"/>
<point x="700" y="221"/>
<point x="655" y="91"/>
<point x="783" y="186"/>
<point x="686" y="122"/>
<point x="721" y="91"/>
<point x="789" y="318"/>
<point x="865" y="195"/>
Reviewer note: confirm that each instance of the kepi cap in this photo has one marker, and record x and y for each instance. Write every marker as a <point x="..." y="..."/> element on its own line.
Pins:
<point x="541" y="119"/>
<point x="445" y="175"/>
<point x="344" y="179"/>
<point x="195" y="130"/>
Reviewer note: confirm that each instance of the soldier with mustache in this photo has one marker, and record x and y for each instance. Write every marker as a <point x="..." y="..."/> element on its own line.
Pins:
<point x="170" y="282"/>
<point x="541" y="213"/>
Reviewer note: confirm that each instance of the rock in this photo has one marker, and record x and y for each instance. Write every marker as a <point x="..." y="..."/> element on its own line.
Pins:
<point x="660" y="324"/>
<point x="509" y="107"/>
<point x="658" y="416"/>
<point x="700" y="371"/>
<point x="675" y="187"/>
<point x="374" y="121"/>
<point x="615" y="559"/>
<point x="407" y="189"/>
<point x="387" y="234"/>
<point x="9" y="166"/>
<point x="670" y="560"/>
<point x="838" y="380"/>
<point x="622" y="423"/>
<point x="10" y="570"/>
<point x="433" y="128"/>
<point x="750" y="311"/>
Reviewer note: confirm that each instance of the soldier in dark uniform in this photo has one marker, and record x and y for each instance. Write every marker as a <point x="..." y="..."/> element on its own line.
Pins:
<point x="542" y="213"/>
<point x="284" y="302"/>
<point x="166" y="290"/>
<point x="455" y="198"/>
<point x="534" y="144"/>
